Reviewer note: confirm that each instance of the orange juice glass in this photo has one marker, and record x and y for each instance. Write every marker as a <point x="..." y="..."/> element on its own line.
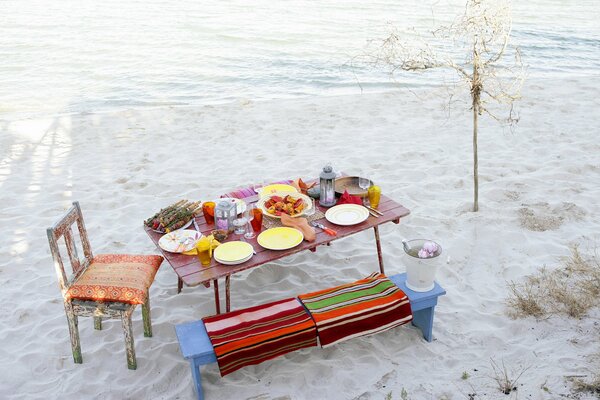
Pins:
<point x="203" y="247"/>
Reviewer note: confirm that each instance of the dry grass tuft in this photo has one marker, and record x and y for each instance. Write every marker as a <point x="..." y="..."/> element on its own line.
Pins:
<point x="572" y="289"/>
<point x="506" y="381"/>
<point x="589" y="387"/>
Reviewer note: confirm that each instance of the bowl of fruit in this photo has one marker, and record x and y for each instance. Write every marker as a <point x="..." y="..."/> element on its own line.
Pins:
<point x="292" y="204"/>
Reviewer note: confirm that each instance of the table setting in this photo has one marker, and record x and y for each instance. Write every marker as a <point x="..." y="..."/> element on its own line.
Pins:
<point x="252" y="226"/>
<point x="278" y="216"/>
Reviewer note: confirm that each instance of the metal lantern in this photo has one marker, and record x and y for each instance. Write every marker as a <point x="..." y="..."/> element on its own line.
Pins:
<point x="225" y="213"/>
<point x="327" y="183"/>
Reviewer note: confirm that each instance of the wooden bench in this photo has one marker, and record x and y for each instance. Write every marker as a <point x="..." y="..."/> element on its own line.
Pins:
<point x="196" y="347"/>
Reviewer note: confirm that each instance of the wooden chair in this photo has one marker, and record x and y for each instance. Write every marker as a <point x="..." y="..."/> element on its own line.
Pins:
<point x="103" y="286"/>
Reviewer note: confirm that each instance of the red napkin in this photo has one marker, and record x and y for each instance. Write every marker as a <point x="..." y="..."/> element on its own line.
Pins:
<point x="349" y="199"/>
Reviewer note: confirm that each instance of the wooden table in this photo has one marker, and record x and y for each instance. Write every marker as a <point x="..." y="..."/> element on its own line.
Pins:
<point x="191" y="273"/>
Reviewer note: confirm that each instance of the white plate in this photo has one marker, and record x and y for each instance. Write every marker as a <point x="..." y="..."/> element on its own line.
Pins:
<point x="261" y="203"/>
<point x="240" y="205"/>
<point x="347" y="214"/>
<point x="233" y="252"/>
<point x="180" y="229"/>
<point x="243" y="260"/>
<point x="179" y="241"/>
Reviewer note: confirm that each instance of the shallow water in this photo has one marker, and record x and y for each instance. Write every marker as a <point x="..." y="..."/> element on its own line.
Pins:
<point x="83" y="56"/>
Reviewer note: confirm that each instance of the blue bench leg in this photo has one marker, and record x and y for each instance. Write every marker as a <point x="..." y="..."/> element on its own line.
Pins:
<point x="196" y="376"/>
<point x="423" y="319"/>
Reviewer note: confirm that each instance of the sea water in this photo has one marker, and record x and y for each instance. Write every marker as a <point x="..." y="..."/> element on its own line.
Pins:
<point x="68" y="56"/>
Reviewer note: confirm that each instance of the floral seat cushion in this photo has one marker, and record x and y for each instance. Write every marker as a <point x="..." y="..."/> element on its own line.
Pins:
<point x="116" y="277"/>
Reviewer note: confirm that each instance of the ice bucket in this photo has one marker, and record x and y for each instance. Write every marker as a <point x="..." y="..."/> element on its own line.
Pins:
<point x="420" y="272"/>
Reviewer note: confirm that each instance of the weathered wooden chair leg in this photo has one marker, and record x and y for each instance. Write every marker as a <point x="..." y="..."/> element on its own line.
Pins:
<point x="179" y="285"/>
<point x="146" y="317"/>
<point x="74" y="333"/>
<point x="98" y="323"/>
<point x="129" y="345"/>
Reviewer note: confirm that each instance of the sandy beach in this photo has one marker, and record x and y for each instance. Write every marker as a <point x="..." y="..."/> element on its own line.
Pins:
<point x="539" y="191"/>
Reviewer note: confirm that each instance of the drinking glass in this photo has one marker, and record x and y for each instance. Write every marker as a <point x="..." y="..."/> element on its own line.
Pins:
<point x="208" y="209"/>
<point x="240" y="225"/>
<point x="249" y="216"/>
<point x="310" y="211"/>
<point x="257" y="220"/>
<point x="364" y="184"/>
<point x="203" y="248"/>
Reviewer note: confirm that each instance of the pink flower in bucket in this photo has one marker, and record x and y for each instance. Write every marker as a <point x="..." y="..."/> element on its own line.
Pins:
<point x="428" y="250"/>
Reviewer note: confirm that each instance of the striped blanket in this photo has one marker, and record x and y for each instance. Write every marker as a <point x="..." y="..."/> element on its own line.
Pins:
<point x="370" y="305"/>
<point x="256" y="334"/>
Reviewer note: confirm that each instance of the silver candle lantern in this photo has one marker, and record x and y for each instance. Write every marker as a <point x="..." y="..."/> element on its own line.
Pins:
<point x="327" y="184"/>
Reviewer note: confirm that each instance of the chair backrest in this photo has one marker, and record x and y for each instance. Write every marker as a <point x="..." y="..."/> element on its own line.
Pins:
<point x="63" y="228"/>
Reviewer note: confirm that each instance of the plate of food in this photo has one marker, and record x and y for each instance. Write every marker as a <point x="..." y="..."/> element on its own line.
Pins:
<point x="179" y="241"/>
<point x="292" y="204"/>
<point x="176" y="216"/>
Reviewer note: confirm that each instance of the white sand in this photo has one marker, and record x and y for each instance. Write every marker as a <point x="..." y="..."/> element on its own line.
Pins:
<point x="123" y="166"/>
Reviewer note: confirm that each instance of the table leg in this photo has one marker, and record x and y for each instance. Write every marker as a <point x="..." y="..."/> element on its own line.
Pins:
<point x="378" y="243"/>
<point x="179" y="285"/>
<point x="227" y="295"/>
<point x="217" y="299"/>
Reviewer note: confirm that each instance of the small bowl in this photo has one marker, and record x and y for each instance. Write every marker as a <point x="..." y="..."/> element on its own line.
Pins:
<point x="219" y="234"/>
<point x="314" y="192"/>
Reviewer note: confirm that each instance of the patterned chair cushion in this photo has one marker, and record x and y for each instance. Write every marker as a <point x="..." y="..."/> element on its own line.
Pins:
<point x="116" y="277"/>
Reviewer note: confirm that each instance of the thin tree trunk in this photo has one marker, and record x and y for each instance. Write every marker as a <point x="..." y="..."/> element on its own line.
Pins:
<point x="475" y="161"/>
<point x="476" y="95"/>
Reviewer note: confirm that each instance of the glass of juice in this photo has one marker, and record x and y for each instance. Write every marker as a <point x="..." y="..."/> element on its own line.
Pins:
<point x="208" y="209"/>
<point x="203" y="247"/>
<point x="257" y="220"/>
<point x="374" y="193"/>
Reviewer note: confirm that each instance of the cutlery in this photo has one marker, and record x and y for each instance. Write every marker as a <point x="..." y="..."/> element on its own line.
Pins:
<point x="195" y="224"/>
<point x="374" y="210"/>
<point x="328" y="231"/>
<point x="373" y="213"/>
<point x="243" y="239"/>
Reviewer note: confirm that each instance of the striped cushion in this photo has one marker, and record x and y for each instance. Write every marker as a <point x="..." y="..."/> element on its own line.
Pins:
<point x="371" y="305"/>
<point x="256" y="334"/>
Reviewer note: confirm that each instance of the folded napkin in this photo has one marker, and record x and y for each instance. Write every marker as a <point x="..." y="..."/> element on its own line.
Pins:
<point x="370" y="305"/>
<point x="256" y="334"/>
<point x="215" y="244"/>
<point x="347" y="198"/>
<point x="301" y="186"/>
<point x="301" y="224"/>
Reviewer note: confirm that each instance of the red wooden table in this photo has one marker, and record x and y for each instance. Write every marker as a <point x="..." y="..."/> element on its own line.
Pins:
<point x="191" y="273"/>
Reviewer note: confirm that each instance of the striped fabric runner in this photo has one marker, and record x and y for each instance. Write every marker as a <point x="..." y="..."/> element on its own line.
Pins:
<point x="242" y="193"/>
<point x="370" y="305"/>
<point x="256" y="334"/>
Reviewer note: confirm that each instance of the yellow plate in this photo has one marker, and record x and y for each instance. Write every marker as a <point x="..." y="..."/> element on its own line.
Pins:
<point x="282" y="238"/>
<point x="278" y="187"/>
<point x="233" y="251"/>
